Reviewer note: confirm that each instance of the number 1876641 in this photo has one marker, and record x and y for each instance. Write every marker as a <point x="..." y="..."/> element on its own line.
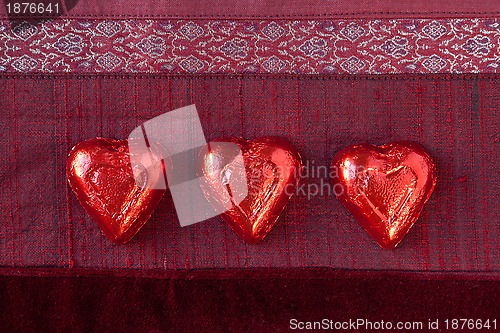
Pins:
<point x="32" y="8"/>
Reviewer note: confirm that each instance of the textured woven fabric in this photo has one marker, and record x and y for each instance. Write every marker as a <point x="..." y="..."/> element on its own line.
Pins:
<point x="316" y="46"/>
<point x="271" y="8"/>
<point x="188" y="44"/>
<point x="240" y="300"/>
<point x="456" y="118"/>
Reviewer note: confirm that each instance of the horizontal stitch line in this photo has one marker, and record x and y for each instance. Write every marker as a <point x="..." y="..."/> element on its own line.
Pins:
<point x="274" y="273"/>
<point x="352" y="77"/>
<point x="257" y="16"/>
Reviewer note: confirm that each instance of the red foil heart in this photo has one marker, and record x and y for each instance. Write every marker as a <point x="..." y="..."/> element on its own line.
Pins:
<point x="272" y="167"/>
<point x="385" y="187"/>
<point x="100" y="173"/>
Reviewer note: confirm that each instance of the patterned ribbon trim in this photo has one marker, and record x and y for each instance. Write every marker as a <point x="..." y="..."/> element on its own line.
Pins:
<point x="252" y="46"/>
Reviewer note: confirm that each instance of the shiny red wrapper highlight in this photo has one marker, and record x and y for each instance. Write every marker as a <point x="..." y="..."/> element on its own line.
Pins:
<point x="100" y="173"/>
<point x="384" y="187"/>
<point x="272" y="166"/>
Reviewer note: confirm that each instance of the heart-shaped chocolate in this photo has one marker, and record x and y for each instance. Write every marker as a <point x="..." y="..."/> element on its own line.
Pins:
<point x="271" y="166"/>
<point x="100" y="173"/>
<point x="384" y="187"/>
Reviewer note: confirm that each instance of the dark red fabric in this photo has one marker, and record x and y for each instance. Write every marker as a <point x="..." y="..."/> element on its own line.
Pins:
<point x="236" y="300"/>
<point x="275" y="9"/>
<point x="455" y="117"/>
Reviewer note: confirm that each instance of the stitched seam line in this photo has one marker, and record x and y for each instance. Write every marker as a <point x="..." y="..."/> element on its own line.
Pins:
<point x="351" y="77"/>
<point x="326" y="15"/>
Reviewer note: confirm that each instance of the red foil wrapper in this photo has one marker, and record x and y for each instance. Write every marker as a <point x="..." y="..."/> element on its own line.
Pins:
<point x="384" y="187"/>
<point x="100" y="173"/>
<point x="272" y="168"/>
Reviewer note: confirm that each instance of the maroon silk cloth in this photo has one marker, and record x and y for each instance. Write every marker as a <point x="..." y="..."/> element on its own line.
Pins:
<point x="273" y="9"/>
<point x="61" y="300"/>
<point x="456" y="118"/>
<point x="59" y="273"/>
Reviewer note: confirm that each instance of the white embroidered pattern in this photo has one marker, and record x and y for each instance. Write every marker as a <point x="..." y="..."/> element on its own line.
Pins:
<point x="255" y="46"/>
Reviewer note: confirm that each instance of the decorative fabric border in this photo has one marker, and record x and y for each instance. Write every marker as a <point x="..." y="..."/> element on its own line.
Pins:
<point x="252" y="46"/>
